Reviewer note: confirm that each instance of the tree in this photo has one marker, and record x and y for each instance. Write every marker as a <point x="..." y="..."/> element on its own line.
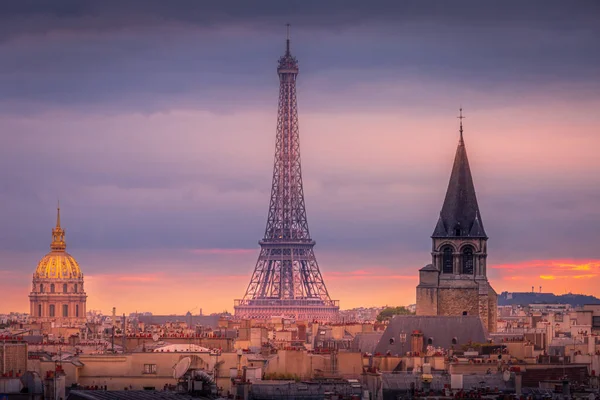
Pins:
<point x="388" y="313"/>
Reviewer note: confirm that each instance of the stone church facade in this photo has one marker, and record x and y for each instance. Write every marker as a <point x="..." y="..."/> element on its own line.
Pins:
<point x="456" y="283"/>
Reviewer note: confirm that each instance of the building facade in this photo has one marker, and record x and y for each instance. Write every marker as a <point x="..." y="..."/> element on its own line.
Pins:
<point x="57" y="293"/>
<point x="456" y="283"/>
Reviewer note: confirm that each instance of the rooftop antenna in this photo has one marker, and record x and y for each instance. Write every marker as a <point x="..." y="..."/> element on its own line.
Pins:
<point x="461" y="127"/>
<point x="287" y="41"/>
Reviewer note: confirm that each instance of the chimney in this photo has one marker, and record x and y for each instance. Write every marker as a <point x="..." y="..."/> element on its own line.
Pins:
<point x="124" y="324"/>
<point x="416" y="342"/>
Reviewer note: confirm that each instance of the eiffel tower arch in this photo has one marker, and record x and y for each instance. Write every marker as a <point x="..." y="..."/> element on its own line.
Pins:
<point x="286" y="280"/>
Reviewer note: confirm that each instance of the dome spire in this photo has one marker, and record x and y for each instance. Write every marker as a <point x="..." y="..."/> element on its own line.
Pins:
<point x="58" y="214"/>
<point x="58" y="234"/>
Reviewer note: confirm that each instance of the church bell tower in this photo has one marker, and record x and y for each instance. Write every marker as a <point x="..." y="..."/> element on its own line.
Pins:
<point x="455" y="283"/>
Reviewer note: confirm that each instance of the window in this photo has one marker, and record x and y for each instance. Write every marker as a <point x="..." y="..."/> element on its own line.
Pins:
<point x="65" y="310"/>
<point x="457" y="232"/>
<point x="447" y="260"/>
<point x="52" y="288"/>
<point x="430" y="341"/>
<point x="75" y="288"/>
<point x="467" y="261"/>
<point x="77" y="310"/>
<point x="64" y="288"/>
<point x="149" y="368"/>
<point x="52" y="310"/>
<point x="465" y="313"/>
<point x="39" y="310"/>
<point x="41" y="288"/>
<point x="454" y="340"/>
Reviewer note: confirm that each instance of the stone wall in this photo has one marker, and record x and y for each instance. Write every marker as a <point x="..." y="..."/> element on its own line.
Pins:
<point x="484" y="306"/>
<point x="493" y="310"/>
<point x="427" y="300"/>
<point x="455" y="301"/>
<point x="13" y="357"/>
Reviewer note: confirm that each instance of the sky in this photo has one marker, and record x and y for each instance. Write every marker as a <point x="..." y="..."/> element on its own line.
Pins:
<point x="154" y="124"/>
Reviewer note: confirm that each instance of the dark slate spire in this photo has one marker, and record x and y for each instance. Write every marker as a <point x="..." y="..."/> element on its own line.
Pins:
<point x="460" y="216"/>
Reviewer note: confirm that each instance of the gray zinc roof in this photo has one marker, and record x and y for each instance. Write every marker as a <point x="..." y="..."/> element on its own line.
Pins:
<point x="441" y="329"/>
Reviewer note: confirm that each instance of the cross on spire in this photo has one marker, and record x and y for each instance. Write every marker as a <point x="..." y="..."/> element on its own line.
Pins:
<point x="461" y="127"/>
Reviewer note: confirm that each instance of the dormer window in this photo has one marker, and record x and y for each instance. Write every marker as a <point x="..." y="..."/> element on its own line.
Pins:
<point x="457" y="232"/>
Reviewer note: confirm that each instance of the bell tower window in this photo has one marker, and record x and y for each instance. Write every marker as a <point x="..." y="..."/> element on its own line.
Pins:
<point x="52" y="288"/>
<point x="447" y="260"/>
<point x="467" y="261"/>
<point x="64" y="288"/>
<point x="41" y="288"/>
<point x="75" y="288"/>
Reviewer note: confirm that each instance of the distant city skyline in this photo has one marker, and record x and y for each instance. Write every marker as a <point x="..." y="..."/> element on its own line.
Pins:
<point x="156" y="132"/>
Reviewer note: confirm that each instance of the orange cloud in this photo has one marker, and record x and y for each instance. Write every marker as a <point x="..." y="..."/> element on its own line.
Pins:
<point x="585" y="276"/>
<point x="572" y="265"/>
<point x="375" y="273"/>
<point x="557" y="276"/>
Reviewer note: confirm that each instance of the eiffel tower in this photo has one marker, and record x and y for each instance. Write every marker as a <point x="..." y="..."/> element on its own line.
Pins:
<point x="286" y="280"/>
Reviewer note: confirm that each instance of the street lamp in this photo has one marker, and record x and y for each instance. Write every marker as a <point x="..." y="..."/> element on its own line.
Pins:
<point x="402" y="340"/>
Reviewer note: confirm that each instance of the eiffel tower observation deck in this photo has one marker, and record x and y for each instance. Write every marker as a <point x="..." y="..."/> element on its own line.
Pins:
<point x="287" y="280"/>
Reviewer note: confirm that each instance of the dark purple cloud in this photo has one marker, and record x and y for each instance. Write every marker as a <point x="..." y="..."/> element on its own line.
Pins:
<point x="151" y="56"/>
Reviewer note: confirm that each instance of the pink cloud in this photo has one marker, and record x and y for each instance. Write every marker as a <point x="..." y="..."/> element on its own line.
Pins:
<point x="218" y="251"/>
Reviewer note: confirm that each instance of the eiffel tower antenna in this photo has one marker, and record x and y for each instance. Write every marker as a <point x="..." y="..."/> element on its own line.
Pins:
<point x="286" y="279"/>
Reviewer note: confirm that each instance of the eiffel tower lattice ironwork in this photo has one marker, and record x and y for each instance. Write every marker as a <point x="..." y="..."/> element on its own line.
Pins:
<point x="287" y="280"/>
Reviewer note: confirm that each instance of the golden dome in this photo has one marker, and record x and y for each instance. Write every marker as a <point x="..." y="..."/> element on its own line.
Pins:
<point x="58" y="264"/>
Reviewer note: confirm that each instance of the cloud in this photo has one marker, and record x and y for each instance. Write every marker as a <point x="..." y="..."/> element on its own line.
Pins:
<point x="556" y="265"/>
<point x="154" y="124"/>
<point x="154" y="57"/>
<point x="558" y="276"/>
